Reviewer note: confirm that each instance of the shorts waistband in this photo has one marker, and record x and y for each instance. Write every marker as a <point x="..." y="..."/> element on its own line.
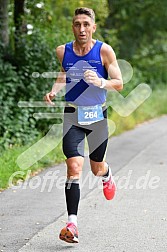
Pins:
<point x="76" y="106"/>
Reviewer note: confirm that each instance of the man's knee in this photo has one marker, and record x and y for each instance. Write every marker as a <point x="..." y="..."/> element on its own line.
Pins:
<point x="74" y="168"/>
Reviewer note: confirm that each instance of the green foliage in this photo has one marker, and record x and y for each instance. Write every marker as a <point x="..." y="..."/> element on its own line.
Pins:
<point x="18" y="84"/>
<point x="141" y="32"/>
<point x="35" y="55"/>
<point x="15" y="125"/>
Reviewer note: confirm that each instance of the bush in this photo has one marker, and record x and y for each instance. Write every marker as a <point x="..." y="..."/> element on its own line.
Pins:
<point x="15" y="124"/>
<point x="34" y="54"/>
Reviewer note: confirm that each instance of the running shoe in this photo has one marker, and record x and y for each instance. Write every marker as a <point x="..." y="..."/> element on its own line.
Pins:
<point x="69" y="233"/>
<point x="109" y="188"/>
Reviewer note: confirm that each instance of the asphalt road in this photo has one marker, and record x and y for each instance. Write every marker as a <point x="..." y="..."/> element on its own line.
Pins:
<point x="32" y="214"/>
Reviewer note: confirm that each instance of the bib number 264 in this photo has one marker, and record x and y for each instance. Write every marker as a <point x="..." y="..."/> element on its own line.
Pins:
<point x="90" y="115"/>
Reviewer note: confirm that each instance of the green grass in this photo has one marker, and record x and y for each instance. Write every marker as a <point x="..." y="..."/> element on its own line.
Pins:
<point x="155" y="106"/>
<point x="8" y="165"/>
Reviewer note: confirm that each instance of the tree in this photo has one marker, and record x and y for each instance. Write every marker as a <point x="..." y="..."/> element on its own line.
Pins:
<point x="19" y="21"/>
<point x="141" y="30"/>
<point x="138" y="23"/>
<point x="4" y="34"/>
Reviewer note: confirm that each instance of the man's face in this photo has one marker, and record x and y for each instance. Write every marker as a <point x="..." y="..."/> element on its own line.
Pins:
<point x="83" y="28"/>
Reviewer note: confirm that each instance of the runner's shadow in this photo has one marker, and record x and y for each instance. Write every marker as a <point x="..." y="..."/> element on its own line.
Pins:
<point x="62" y="248"/>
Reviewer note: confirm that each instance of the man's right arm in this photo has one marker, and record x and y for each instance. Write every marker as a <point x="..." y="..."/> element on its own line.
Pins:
<point x="61" y="78"/>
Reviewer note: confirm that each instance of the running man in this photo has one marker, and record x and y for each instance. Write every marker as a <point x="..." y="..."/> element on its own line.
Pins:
<point x="86" y="65"/>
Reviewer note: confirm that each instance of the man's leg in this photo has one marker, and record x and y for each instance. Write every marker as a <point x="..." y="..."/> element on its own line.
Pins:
<point x="72" y="190"/>
<point x="103" y="170"/>
<point x="97" y="141"/>
<point x="73" y="148"/>
<point x="97" y="136"/>
<point x="99" y="168"/>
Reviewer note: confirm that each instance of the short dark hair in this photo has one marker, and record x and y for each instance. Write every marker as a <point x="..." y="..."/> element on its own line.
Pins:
<point x="86" y="11"/>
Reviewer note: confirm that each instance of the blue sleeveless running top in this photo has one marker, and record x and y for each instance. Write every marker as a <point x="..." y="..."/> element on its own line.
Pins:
<point x="78" y="91"/>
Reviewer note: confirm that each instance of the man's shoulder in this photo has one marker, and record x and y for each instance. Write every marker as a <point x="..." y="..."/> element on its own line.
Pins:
<point x="60" y="51"/>
<point x="60" y="48"/>
<point x="107" y="53"/>
<point x="106" y="48"/>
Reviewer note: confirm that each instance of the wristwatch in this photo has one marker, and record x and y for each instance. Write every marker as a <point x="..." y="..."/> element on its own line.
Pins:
<point x="103" y="83"/>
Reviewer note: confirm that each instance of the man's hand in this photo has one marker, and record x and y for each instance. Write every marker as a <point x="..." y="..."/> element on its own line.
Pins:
<point x="49" y="97"/>
<point x="92" y="78"/>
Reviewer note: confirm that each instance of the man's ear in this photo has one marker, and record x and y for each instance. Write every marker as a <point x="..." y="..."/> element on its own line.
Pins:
<point x="72" y="27"/>
<point x="94" y="28"/>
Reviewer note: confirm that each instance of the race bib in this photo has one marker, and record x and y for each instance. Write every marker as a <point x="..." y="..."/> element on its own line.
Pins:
<point x="90" y="114"/>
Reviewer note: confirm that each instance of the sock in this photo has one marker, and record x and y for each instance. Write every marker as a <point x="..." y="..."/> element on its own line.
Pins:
<point x="72" y="218"/>
<point x="107" y="176"/>
<point x="72" y="192"/>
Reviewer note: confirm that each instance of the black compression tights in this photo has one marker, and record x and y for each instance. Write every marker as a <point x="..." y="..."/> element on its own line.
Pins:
<point x="72" y="192"/>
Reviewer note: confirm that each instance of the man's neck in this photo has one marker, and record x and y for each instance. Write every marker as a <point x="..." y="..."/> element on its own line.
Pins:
<point x="82" y="49"/>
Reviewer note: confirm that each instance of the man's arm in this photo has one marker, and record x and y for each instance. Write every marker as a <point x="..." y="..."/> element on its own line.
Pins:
<point x="61" y="78"/>
<point x="110" y="62"/>
<point x="111" y="65"/>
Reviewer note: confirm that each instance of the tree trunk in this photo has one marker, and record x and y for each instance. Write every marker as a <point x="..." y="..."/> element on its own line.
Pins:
<point x="113" y="9"/>
<point x="4" y="35"/>
<point x="20" y="26"/>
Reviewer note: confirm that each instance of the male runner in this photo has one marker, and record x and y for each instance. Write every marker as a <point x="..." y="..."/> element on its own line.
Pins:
<point x="86" y="64"/>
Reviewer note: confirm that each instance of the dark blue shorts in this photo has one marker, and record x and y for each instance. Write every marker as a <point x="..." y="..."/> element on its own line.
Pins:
<point x="74" y="136"/>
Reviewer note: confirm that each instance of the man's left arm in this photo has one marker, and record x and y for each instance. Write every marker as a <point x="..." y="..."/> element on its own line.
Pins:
<point x="110" y="62"/>
<point x="112" y="67"/>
